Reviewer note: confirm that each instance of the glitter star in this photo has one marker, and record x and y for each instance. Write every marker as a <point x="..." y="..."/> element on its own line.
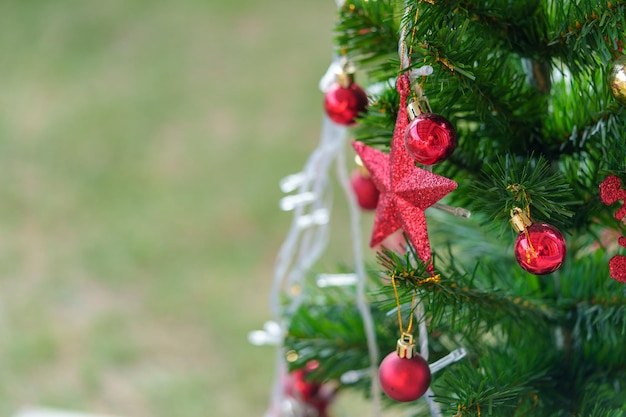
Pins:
<point x="405" y="190"/>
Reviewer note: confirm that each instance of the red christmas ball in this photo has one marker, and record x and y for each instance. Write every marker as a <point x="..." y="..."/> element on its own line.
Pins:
<point x="304" y="397"/>
<point x="343" y="104"/>
<point x="365" y="190"/>
<point x="404" y="379"/>
<point x="541" y="249"/>
<point x="301" y="388"/>
<point x="298" y="386"/>
<point x="430" y="138"/>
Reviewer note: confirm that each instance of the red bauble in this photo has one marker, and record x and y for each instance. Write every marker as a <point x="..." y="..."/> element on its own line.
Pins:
<point x="430" y="138"/>
<point x="308" y="398"/>
<point x="404" y="379"/>
<point x="343" y="104"/>
<point x="365" y="190"/>
<point x="546" y="250"/>
<point x="299" y="387"/>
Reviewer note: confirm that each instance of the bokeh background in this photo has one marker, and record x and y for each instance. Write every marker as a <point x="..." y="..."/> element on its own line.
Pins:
<point x="141" y="144"/>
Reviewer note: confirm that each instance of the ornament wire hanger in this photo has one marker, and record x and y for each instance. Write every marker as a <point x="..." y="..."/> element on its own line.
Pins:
<point x="398" y="307"/>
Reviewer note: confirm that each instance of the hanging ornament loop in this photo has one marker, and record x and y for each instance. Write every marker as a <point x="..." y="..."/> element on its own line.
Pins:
<point x="418" y="106"/>
<point x="395" y="292"/>
<point x="519" y="191"/>
<point x="405" y="56"/>
<point x="520" y="220"/>
<point x="345" y="73"/>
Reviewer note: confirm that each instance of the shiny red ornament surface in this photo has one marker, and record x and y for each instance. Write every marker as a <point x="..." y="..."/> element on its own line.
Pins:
<point x="545" y="252"/>
<point x="343" y="104"/>
<point x="430" y="138"/>
<point x="404" y="379"/>
<point x="365" y="190"/>
<point x="405" y="190"/>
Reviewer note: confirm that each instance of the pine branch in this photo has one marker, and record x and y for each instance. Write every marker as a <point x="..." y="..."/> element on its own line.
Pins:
<point x="499" y="384"/>
<point x="510" y="183"/>
<point x="592" y="132"/>
<point x="518" y="25"/>
<point x="525" y="85"/>
<point x="367" y="33"/>
<point x="596" y="307"/>
<point x="585" y="34"/>
<point x="455" y="301"/>
<point x="375" y="127"/>
<point x="603" y="395"/>
<point x="328" y="328"/>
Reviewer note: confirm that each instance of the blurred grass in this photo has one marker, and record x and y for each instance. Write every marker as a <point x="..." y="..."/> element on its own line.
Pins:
<point x="141" y="143"/>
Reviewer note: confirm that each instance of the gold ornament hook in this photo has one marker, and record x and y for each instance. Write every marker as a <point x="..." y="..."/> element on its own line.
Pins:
<point x="406" y="347"/>
<point x="345" y="74"/>
<point x="520" y="220"/>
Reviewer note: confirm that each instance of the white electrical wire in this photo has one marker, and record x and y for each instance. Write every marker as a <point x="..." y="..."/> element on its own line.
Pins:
<point x="359" y="263"/>
<point x="306" y="239"/>
<point x="315" y="239"/>
<point x="435" y="410"/>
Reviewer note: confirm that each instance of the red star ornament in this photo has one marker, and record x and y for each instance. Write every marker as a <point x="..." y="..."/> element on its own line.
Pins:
<point x="405" y="190"/>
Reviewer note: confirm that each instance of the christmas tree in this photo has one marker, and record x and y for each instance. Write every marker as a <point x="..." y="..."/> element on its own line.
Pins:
<point x="513" y="111"/>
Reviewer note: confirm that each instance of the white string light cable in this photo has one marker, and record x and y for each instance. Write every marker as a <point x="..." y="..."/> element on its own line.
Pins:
<point x="361" y="275"/>
<point x="314" y="239"/>
<point x="305" y="242"/>
<point x="306" y="239"/>
<point x="435" y="410"/>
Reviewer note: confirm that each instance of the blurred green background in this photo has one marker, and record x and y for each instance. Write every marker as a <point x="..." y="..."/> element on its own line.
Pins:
<point x="141" y="144"/>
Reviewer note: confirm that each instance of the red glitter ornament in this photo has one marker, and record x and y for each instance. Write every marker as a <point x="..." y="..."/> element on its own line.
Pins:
<point x="617" y="267"/>
<point x="430" y="138"/>
<point x="404" y="375"/>
<point x="365" y="190"/>
<point x="539" y="248"/>
<point x="611" y="191"/>
<point x="405" y="190"/>
<point x="344" y="100"/>
<point x="617" y="264"/>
